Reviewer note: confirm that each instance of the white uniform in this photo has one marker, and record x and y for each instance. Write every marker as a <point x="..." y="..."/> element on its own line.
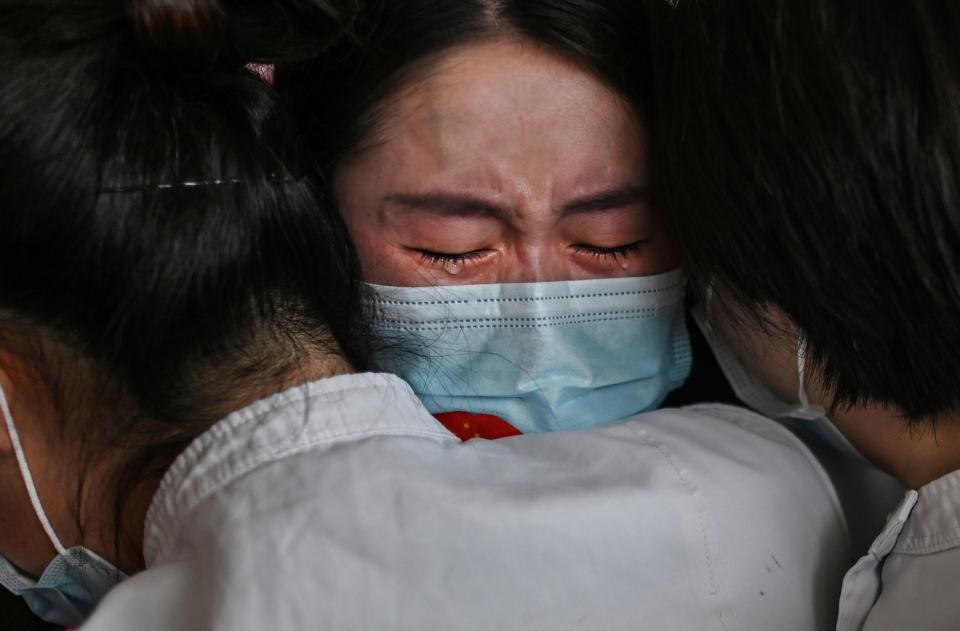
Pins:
<point x="910" y="578"/>
<point x="342" y="504"/>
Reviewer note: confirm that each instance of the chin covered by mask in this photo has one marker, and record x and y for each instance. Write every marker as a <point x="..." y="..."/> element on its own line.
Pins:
<point x="542" y="356"/>
<point x="75" y="580"/>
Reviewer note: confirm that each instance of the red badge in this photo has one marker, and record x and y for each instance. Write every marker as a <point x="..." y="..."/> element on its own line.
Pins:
<point x="467" y="426"/>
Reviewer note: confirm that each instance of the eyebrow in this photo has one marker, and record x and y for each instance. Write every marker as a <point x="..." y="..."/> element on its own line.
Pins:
<point x="461" y="205"/>
<point x="448" y="204"/>
<point x="608" y="200"/>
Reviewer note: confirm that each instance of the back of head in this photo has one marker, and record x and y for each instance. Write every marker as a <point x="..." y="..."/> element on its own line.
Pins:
<point x="812" y="158"/>
<point x="395" y="41"/>
<point x="156" y="236"/>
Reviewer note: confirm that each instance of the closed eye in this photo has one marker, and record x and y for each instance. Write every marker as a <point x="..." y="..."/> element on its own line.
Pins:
<point x="614" y="253"/>
<point x="446" y="259"/>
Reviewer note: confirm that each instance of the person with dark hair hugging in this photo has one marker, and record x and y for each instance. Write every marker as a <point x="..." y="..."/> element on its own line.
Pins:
<point x="812" y="163"/>
<point x="490" y="159"/>
<point x="181" y="340"/>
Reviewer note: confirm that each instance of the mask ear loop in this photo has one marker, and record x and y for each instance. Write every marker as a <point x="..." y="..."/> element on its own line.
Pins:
<point x="27" y="477"/>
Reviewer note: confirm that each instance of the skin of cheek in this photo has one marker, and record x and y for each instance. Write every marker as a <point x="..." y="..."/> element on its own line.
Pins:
<point x="771" y="353"/>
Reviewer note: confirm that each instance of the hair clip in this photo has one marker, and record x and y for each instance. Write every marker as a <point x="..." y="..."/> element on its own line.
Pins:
<point x="187" y="184"/>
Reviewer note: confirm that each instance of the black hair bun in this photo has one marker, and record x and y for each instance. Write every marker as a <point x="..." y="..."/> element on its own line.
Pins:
<point x="209" y="34"/>
<point x="181" y="32"/>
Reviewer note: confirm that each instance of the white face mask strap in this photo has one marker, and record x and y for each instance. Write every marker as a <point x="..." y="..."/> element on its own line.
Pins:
<point x="802" y="368"/>
<point x="27" y="477"/>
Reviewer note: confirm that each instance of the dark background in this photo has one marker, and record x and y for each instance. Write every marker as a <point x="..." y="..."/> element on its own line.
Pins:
<point x="14" y="615"/>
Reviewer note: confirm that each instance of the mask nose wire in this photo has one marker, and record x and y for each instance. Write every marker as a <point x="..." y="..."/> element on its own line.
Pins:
<point x="27" y="476"/>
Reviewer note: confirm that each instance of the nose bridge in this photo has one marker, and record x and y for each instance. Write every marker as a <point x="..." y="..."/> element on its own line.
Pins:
<point x="536" y="262"/>
<point x="527" y="266"/>
<point x="536" y="255"/>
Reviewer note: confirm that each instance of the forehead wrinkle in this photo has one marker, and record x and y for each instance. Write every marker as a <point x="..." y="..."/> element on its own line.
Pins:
<point x="454" y="151"/>
<point x="458" y="144"/>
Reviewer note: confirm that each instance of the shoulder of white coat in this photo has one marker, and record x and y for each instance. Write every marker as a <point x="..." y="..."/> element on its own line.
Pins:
<point x="784" y="448"/>
<point x="728" y="434"/>
<point x="752" y="422"/>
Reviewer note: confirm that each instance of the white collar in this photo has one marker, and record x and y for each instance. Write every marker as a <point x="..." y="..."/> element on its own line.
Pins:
<point x="934" y="523"/>
<point x="345" y="407"/>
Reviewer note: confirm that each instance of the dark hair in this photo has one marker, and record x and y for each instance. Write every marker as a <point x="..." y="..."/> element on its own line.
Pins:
<point x="395" y="38"/>
<point x="811" y="157"/>
<point x="157" y="240"/>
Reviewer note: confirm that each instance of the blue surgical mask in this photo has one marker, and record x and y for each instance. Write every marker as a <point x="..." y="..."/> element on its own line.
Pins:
<point x="542" y="356"/>
<point x="74" y="581"/>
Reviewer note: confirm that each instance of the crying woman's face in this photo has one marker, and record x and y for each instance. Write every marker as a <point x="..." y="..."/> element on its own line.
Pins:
<point x="504" y="162"/>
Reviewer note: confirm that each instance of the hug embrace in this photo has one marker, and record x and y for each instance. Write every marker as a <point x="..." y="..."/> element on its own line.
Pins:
<point x="479" y="314"/>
